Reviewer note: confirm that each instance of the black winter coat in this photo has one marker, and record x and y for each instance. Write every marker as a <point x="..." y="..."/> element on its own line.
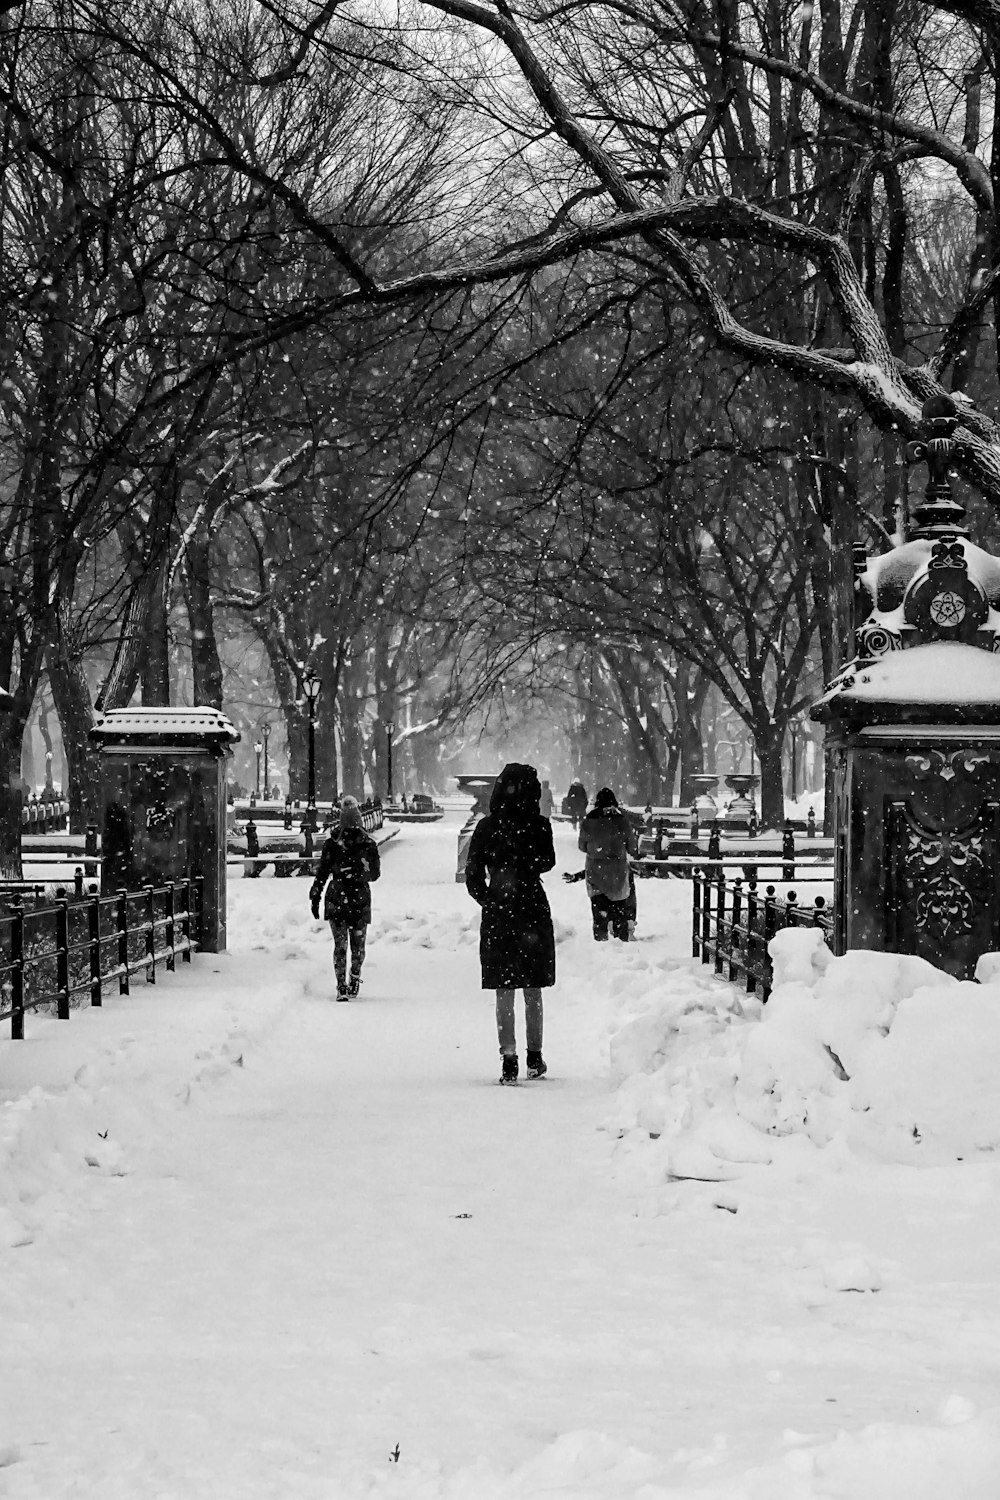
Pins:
<point x="349" y="862"/>
<point x="507" y="855"/>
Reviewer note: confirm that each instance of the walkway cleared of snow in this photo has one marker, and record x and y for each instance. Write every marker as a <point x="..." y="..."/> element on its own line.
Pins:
<point x="254" y="1243"/>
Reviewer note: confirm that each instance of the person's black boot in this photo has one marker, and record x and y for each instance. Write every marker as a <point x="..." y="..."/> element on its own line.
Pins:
<point x="509" y="1074"/>
<point x="536" y="1065"/>
<point x="354" y="987"/>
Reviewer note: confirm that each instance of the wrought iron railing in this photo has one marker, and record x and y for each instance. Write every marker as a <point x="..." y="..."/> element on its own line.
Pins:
<point x="732" y="922"/>
<point x="59" y="951"/>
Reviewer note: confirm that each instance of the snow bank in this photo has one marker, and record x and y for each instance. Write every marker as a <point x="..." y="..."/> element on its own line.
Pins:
<point x="80" y="1097"/>
<point x="876" y="1054"/>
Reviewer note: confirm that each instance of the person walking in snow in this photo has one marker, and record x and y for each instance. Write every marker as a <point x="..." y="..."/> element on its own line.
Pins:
<point x="347" y="866"/>
<point x="608" y="839"/>
<point x="545" y="802"/>
<point x="576" y="802"/>
<point x="510" y="849"/>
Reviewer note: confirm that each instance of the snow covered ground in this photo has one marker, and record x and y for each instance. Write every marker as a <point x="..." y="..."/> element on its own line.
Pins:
<point x="257" y="1244"/>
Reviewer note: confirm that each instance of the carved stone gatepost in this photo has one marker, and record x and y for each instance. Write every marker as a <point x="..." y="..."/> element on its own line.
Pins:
<point x="914" y="726"/>
<point x="163" y="790"/>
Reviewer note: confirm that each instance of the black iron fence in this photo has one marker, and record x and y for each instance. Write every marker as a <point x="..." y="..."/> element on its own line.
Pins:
<point x="58" y="952"/>
<point x="664" y="856"/>
<point x="732" y="922"/>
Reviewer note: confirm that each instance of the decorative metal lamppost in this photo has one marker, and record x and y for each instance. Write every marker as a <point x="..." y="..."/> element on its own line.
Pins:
<point x="258" y="747"/>
<point x="265" y="734"/>
<point x="312" y="687"/>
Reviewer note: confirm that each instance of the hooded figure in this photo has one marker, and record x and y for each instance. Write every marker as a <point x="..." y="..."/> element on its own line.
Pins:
<point x="575" y="801"/>
<point x="510" y="849"/>
<point x="608" y="838"/>
<point x="348" y="865"/>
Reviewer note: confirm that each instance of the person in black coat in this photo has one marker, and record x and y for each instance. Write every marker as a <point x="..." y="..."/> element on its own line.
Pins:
<point x="348" y="865"/>
<point x="510" y="849"/>
<point x="576" y="802"/>
<point x="608" y="840"/>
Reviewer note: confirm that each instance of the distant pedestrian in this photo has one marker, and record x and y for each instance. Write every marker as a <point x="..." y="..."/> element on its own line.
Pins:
<point x="510" y="849"/>
<point x="545" y="801"/>
<point x="608" y="839"/>
<point x="576" y="802"/>
<point x="347" y="866"/>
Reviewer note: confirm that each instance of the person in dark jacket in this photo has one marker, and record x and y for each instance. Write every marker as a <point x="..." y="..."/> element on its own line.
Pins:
<point x="608" y="839"/>
<point x="347" y="866"/>
<point x="575" y="802"/>
<point x="510" y="849"/>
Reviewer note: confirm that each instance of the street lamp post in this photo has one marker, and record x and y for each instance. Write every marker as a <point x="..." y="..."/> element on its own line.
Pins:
<point x="389" y="730"/>
<point x="258" y="747"/>
<point x="265" y="734"/>
<point x="312" y="687"/>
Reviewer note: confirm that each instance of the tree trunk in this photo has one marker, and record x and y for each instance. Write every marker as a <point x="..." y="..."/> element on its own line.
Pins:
<point x="689" y="703"/>
<point x="772" y="793"/>
<point x="673" y="765"/>
<point x="156" y="648"/>
<point x="205" y="664"/>
<point x="327" y="780"/>
<point x="296" y="732"/>
<point x="11" y="797"/>
<point x="351" y="739"/>
<point x="71" y="696"/>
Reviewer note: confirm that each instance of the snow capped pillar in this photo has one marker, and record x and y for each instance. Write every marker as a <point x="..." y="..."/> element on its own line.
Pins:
<point x="913" y="723"/>
<point x="163" y="792"/>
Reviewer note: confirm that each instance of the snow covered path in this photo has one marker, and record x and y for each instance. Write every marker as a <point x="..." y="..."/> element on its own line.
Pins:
<point x="316" y="1236"/>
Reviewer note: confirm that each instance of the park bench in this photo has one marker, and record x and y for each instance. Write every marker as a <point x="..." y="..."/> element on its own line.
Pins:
<point x="286" y="863"/>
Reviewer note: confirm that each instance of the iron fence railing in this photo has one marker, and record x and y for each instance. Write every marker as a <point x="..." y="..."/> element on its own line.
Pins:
<point x="732" y="922"/>
<point x="59" y="951"/>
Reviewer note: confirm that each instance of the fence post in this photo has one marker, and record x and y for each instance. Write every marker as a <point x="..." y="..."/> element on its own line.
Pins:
<point x="122" y="926"/>
<point x="788" y="852"/>
<point x="811" y="823"/>
<point x="62" y="959"/>
<point x="735" y="930"/>
<point x="770" y="927"/>
<point x="186" y="923"/>
<point x="168" y="929"/>
<point x="706" y="916"/>
<point x="720" y="919"/>
<point x="751" y="934"/>
<point x="695" y="912"/>
<point x="94" y="935"/>
<point x="819" y="911"/>
<point x="150" y="936"/>
<point x="17" y="971"/>
<point x="791" y="908"/>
